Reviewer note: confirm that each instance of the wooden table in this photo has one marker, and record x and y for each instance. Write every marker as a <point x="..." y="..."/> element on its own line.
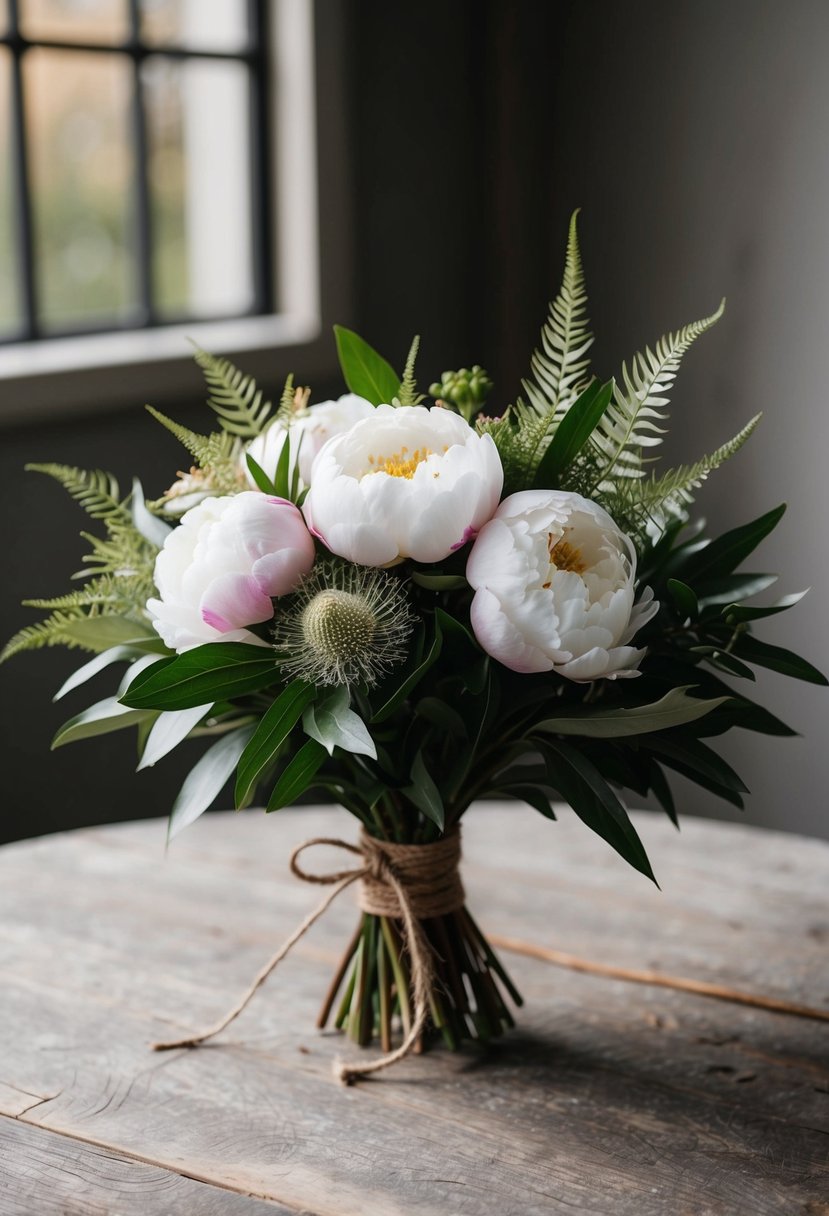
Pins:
<point x="608" y="1098"/>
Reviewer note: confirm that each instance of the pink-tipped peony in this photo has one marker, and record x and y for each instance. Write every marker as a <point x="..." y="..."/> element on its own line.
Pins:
<point x="222" y="566"/>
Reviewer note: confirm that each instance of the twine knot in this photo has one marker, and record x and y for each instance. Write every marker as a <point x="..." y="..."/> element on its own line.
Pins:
<point x="406" y="882"/>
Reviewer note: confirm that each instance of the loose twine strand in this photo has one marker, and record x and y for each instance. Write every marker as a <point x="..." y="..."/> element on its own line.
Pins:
<point x="412" y="882"/>
<point x="407" y="882"/>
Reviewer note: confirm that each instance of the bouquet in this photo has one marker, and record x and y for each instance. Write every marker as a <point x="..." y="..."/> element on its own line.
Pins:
<point x="407" y="603"/>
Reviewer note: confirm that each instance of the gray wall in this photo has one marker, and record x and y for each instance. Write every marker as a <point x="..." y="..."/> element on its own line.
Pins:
<point x="701" y="157"/>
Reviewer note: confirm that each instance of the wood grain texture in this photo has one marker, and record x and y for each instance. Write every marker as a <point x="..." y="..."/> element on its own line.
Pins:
<point x="608" y="1097"/>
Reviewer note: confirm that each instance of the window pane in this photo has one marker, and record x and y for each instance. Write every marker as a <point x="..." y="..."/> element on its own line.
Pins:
<point x="198" y="122"/>
<point x="76" y="20"/>
<point x="9" y="278"/>
<point x="215" y="25"/>
<point x="81" y="169"/>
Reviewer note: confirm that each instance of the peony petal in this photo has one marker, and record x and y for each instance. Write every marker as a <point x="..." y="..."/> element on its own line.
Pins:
<point x="233" y="601"/>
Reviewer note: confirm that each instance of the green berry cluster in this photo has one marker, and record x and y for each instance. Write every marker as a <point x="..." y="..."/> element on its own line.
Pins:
<point x="467" y="389"/>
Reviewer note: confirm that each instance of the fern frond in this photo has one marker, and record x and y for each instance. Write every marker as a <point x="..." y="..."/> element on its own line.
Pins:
<point x="97" y="492"/>
<point x="408" y="394"/>
<point x="560" y="366"/>
<point x="51" y="632"/>
<point x="637" y="503"/>
<point x="207" y="450"/>
<point x="235" y="398"/>
<point x="633" y="419"/>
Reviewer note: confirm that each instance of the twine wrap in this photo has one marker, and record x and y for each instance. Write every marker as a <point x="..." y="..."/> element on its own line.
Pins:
<point x="404" y="881"/>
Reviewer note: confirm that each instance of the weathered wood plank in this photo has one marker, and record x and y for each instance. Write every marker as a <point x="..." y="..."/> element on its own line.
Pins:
<point x="46" y="1174"/>
<point x="667" y="1102"/>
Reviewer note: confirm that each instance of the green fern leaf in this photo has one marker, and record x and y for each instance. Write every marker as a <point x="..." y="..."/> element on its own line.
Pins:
<point x="97" y="492"/>
<point x="235" y="398"/>
<point x="560" y="366"/>
<point x="51" y="632"/>
<point x="638" y="503"/>
<point x="633" y="419"/>
<point x="408" y="394"/>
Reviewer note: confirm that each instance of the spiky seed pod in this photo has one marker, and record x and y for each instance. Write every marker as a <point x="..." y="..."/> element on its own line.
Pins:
<point x="345" y="625"/>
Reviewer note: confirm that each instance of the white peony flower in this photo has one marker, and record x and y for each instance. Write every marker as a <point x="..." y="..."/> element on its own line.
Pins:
<point x="311" y="428"/>
<point x="407" y="482"/>
<point x="554" y="588"/>
<point x="220" y="568"/>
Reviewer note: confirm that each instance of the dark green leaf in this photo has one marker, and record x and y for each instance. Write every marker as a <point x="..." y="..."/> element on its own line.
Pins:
<point x="595" y="803"/>
<point x="572" y="433"/>
<point x="365" y="372"/>
<point x="684" y="598"/>
<point x="530" y="794"/>
<point x="100" y="719"/>
<point x="439" y="582"/>
<point x="658" y="782"/>
<point x="269" y="736"/>
<point x="412" y="673"/>
<point x="207" y="779"/>
<point x="259" y="475"/>
<point x="424" y="793"/>
<point x="775" y="658"/>
<point x="697" y="758"/>
<point x="674" y="709"/>
<point x="735" y="614"/>
<point x="213" y="672"/>
<point x="281" y="478"/>
<point x="723" y="555"/>
<point x="297" y="775"/>
<point x="440" y="714"/>
<point x="736" y="587"/>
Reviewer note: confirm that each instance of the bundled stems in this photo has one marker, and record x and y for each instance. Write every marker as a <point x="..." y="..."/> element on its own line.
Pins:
<point x="467" y="999"/>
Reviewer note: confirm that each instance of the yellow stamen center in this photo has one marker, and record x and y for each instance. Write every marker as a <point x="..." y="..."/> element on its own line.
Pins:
<point x="565" y="556"/>
<point x="399" y="464"/>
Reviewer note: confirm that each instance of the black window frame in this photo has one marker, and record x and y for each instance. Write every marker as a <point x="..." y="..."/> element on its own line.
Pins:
<point x="145" y="315"/>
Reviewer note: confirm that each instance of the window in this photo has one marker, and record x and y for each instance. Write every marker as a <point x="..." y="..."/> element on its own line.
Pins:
<point x="159" y="166"/>
<point x="136" y="163"/>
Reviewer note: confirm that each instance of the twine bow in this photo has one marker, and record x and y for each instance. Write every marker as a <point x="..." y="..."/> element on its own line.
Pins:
<point x="403" y="881"/>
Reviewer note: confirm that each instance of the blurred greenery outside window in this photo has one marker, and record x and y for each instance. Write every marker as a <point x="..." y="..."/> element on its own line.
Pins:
<point x="144" y="188"/>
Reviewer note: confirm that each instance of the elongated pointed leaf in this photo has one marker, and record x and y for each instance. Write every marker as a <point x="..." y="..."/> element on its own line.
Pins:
<point x="595" y="803"/>
<point x="282" y="476"/>
<point x="207" y="779"/>
<point x="732" y="588"/>
<point x="724" y="554"/>
<point x="99" y="719"/>
<point x="269" y="736"/>
<point x="776" y="658"/>
<point x="333" y="724"/>
<point x="412" y="673"/>
<point x="150" y="526"/>
<point x="297" y="775"/>
<point x="259" y="475"/>
<point x="169" y="729"/>
<point x="674" y="709"/>
<point x="530" y="794"/>
<point x="696" y="757"/>
<point x="116" y="654"/>
<point x="365" y="372"/>
<point x="572" y="433"/>
<point x="684" y="598"/>
<point x="101" y="632"/>
<point x="439" y="582"/>
<point x="217" y="671"/>
<point x="424" y="793"/>
<point x="737" y="613"/>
